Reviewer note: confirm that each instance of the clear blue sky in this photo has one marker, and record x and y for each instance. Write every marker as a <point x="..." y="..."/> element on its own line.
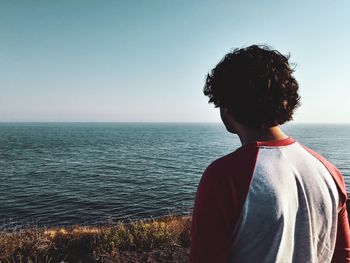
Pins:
<point x="146" y="60"/>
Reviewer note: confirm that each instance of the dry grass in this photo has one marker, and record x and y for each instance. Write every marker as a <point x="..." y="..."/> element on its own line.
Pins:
<point x="161" y="240"/>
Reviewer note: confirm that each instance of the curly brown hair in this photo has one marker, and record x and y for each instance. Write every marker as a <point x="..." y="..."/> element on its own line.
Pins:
<point x="256" y="85"/>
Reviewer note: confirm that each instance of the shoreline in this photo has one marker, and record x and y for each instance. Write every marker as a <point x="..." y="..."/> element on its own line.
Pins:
<point x="8" y="225"/>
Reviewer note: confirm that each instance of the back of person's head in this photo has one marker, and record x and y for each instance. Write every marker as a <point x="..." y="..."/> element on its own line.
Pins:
<point x="256" y="86"/>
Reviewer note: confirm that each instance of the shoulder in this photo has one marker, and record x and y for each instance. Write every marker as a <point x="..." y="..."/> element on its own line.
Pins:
<point x="333" y="170"/>
<point x="226" y="180"/>
<point x="330" y="167"/>
<point x="237" y="164"/>
<point x="241" y="156"/>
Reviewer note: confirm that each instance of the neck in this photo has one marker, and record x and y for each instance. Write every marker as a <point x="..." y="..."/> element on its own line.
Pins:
<point x="270" y="134"/>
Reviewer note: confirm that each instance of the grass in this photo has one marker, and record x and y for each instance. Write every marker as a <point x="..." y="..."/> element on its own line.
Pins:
<point x="158" y="240"/>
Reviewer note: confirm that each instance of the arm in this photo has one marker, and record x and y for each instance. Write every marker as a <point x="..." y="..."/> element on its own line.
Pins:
<point x="212" y="227"/>
<point x="342" y="246"/>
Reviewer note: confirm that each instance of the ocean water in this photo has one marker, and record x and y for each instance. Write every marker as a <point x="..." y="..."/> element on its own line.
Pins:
<point x="91" y="173"/>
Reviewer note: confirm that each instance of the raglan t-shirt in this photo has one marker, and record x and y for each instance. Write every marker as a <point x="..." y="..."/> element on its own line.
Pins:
<point x="266" y="202"/>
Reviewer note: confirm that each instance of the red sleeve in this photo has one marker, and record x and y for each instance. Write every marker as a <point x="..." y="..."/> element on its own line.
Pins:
<point x="211" y="229"/>
<point x="219" y="200"/>
<point x="342" y="246"/>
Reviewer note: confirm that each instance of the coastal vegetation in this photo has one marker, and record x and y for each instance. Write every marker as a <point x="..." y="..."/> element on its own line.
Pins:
<point x="165" y="239"/>
<point x="156" y="240"/>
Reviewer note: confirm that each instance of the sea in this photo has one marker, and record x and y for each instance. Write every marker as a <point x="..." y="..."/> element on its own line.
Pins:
<point x="55" y="174"/>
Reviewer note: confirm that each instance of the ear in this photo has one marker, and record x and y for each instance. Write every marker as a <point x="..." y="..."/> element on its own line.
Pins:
<point x="226" y="112"/>
<point x="228" y="119"/>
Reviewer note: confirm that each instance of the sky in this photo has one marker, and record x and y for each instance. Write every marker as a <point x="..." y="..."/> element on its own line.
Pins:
<point x="146" y="61"/>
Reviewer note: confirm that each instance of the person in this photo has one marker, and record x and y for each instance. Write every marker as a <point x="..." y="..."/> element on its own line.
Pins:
<point x="273" y="199"/>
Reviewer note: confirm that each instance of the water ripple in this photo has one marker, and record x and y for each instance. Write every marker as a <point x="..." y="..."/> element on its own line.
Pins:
<point x="89" y="173"/>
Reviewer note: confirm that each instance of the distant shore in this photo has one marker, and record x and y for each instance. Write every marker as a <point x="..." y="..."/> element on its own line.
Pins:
<point x="156" y="240"/>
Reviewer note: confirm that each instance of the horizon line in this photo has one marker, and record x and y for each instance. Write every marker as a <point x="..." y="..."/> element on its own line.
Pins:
<point x="155" y="122"/>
